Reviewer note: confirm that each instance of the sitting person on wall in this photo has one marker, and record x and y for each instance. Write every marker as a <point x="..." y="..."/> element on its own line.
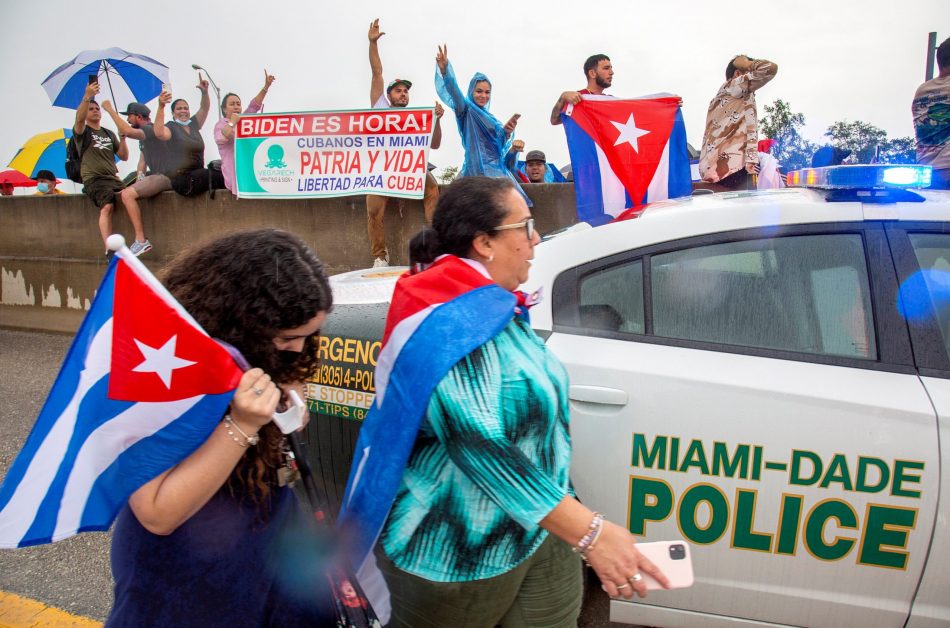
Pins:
<point x="151" y="179"/>
<point x="186" y="149"/>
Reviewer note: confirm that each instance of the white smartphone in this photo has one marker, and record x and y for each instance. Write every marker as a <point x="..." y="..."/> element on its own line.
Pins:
<point x="673" y="558"/>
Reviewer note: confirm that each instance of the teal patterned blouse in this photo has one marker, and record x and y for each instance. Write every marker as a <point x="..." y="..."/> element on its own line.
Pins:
<point x="490" y="462"/>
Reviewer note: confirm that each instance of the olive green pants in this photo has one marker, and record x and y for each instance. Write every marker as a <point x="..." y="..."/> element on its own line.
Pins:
<point x="545" y="591"/>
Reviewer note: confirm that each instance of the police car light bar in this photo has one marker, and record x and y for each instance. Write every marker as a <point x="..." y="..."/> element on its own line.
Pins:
<point x="861" y="177"/>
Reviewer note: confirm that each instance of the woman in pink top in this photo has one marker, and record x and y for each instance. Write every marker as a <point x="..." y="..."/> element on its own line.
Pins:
<point x="224" y="129"/>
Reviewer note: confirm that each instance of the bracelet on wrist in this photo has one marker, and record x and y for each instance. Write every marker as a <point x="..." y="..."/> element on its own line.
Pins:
<point x="590" y="538"/>
<point x="232" y="427"/>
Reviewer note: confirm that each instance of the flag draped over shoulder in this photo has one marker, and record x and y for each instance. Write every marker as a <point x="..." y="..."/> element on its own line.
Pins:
<point x="436" y="318"/>
<point x="141" y="388"/>
<point x="625" y="153"/>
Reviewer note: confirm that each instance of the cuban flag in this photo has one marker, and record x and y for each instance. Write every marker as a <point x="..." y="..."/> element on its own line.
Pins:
<point x="436" y="318"/>
<point x="625" y="153"/>
<point x="141" y="388"/>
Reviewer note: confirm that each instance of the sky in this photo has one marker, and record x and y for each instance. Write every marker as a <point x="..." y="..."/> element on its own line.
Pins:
<point x="837" y="59"/>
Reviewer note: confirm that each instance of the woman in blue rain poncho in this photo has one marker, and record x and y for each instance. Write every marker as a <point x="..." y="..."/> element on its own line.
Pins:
<point x="485" y="139"/>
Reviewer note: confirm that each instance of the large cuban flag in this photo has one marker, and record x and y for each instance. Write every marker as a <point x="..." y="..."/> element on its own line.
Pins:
<point x="436" y="318"/>
<point x="141" y="388"/>
<point x="625" y="153"/>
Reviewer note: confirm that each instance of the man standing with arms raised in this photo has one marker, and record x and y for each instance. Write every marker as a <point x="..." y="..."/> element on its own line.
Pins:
<point x="600" y="76"/>
<point x="396" y="95"/>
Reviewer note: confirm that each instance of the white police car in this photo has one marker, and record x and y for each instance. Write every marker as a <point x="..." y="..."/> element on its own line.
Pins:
<point x="767" y="376"/>
<point x="764" y="374"/>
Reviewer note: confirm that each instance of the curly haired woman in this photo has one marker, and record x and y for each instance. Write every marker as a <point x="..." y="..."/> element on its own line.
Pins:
<point x="206" y="542"/>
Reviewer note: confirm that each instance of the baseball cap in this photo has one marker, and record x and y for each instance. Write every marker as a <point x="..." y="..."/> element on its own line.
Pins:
<point x="45" y="174"/>
<point x="535" y="155"/>
<point x="138" y="109"/>
<point x="408" y="84"/>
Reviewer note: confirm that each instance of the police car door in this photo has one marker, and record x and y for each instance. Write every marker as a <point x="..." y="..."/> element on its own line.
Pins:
<point x="922" y="258"/>
<point x="754" y="394"/>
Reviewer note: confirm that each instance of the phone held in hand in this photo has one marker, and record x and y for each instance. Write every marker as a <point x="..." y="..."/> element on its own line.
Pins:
<point x="673" y="558"/>
<point x="92" y="78"/>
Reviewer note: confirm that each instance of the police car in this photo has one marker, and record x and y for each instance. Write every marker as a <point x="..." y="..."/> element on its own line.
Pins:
<point x="765" y="375"/>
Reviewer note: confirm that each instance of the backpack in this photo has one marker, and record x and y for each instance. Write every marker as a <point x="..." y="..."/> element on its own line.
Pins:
<point x="74" y="154"/>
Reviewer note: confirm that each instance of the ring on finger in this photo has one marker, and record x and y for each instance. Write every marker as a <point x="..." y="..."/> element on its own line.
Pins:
<point x="635" y="578"/>
<point x="622" y="586"/>
<point x="257" y="391"/>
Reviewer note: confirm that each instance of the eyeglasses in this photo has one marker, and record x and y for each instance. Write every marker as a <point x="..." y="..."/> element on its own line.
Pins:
<point x="528" y="225"/>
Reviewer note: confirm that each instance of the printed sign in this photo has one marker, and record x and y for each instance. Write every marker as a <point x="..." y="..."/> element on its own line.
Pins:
<point x="343" y="386"/>
<point x="333" y="153"/>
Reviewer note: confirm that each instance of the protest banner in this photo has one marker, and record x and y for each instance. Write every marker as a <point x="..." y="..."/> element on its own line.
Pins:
<point x="333" y="153"/>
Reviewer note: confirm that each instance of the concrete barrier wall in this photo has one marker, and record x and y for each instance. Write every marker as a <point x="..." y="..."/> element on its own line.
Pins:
<point x="52" y="258"/>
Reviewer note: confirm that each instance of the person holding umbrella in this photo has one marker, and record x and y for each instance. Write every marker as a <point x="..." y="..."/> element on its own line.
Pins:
<point x="97" y="148"/>
<point x="10" y="179"/>
<point x="224" y="129"/>
<point x="46" y="184"/>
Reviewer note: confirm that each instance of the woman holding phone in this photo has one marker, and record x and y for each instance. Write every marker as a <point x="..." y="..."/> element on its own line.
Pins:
<point x="224" y="129"/>
<point x="485" y="139"/>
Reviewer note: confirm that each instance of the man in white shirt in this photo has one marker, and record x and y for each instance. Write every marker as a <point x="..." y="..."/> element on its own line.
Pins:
<point x="396" y="95"/>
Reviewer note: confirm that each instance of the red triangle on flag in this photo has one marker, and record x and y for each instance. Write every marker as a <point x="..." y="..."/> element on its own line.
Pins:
<point x="157" y="354"/>
<point x="632" y="135"/>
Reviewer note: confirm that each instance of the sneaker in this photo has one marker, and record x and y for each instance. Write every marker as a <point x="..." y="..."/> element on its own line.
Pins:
<point x="380" y="262"/>
<point x="141" y="247"/>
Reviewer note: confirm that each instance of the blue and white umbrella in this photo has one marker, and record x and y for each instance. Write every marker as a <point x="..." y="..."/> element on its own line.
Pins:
<point x="128" y="77"/>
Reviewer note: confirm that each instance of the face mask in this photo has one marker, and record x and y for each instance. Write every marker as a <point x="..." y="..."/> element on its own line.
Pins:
<point x="182" y="122"/>
<point x="288" y="358"/>
<point x="43" y="187"/>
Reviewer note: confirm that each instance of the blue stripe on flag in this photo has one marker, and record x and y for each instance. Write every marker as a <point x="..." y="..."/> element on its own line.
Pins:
<point x="390" y="431"/>
<point x="94" y="410"/>
<point x="680" y="178"/>
<point x="587" y="176"/>
<point x="65" y="385"/>
<point x="150" y="457"/>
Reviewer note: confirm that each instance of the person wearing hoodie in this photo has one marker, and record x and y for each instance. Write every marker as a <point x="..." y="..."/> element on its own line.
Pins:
<point x="485" y="139"/>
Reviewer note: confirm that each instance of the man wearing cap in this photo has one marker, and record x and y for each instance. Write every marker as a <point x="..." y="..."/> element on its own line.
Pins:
<point x="396" y="95"/>
<point x="46" y="184"/>
<point x="152" y="139"/>
<point x="535" y="166"/>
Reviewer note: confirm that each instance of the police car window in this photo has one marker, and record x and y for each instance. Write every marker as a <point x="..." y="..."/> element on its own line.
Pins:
<point x="933" y="256"/>
<point x="612" y="299"/>
<point x="807" y="294"/>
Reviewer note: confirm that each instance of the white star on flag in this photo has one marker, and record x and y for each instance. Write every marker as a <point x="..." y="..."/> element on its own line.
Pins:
<point x="629" y="133"/>
<point x="161" y="361"/>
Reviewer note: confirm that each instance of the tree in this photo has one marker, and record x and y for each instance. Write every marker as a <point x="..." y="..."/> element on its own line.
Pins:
<point x="448" y="174"/>
<point x="861" y="138"/>
<point x="783" y="125"/>
<point x="900" y="150"/>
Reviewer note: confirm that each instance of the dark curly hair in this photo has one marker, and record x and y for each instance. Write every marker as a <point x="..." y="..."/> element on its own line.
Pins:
<point x="469" y="206"/>
<point x="244" y="288"/>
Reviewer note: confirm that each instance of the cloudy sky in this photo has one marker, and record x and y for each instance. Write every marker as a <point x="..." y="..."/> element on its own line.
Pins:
<point x="838" y="59"/>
